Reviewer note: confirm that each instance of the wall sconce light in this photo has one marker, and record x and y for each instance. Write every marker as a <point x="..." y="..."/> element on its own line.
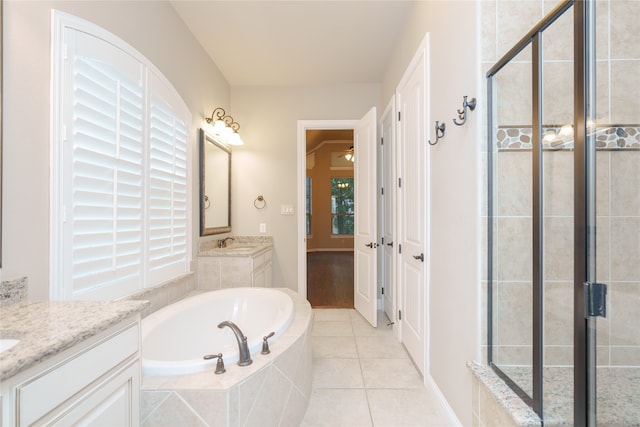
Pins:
<point x="349" y="154"/>
<point x="224" y="127"/>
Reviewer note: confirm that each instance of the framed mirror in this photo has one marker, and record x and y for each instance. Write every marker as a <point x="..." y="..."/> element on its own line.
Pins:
<point x="215" y="186"/>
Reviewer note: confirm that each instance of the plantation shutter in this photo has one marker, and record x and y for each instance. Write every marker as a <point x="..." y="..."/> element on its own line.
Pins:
<point x="105" y="196"/>
<point x="120" y="194"/>
<point x="167" y="189"/>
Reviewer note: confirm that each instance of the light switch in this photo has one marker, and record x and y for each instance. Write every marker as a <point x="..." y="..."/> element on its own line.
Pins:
<point x="263" y="227"/>
<point x="286" y="209"/>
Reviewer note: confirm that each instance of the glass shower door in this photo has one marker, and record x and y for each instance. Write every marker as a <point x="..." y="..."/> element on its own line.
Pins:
<point x="615" y="130"/>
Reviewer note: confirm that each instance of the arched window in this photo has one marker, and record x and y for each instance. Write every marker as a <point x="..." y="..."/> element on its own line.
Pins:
<point x="120" y="170"/>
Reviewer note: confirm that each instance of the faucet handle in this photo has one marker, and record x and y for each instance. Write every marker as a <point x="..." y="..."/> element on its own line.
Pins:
<point x="220" y="365"/>
<point x="265" y="344"/>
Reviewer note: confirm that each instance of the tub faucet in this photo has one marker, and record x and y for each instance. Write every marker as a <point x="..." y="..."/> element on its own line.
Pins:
<point x="222" y="243"/>
<point x="243" y="348"/>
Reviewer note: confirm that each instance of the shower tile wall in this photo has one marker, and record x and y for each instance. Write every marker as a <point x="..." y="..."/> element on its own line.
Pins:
<point x="618" y="184"/>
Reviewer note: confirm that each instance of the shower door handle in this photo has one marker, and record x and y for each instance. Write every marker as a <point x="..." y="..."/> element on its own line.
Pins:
<point x="420" y="257"/>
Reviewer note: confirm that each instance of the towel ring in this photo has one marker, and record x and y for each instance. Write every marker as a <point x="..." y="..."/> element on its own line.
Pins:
<point x="260" y="202"/>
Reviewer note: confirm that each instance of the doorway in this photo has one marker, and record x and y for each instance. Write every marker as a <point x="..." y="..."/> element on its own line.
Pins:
<point x="364" y="228"/>
<point x="303" y="127"/>
<point x="329" y="211"/>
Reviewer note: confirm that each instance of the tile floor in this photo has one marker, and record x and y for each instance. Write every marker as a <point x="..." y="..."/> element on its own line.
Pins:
<point x="362" y="376"/>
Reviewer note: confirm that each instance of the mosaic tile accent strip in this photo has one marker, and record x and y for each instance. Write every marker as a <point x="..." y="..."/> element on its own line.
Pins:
<point x="617" y="137"/>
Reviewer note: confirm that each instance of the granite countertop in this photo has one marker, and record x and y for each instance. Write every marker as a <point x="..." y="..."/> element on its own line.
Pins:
<point x="239" y="246"/>
<point x="236" y="250"/>
<point x="47" y="328"/>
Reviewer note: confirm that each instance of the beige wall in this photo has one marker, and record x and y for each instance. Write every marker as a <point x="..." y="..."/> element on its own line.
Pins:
<point x="267" y="163"/>
<point x="321" y="175"/>
<point x="157" y="32"/>
<point x="454" y="173"/>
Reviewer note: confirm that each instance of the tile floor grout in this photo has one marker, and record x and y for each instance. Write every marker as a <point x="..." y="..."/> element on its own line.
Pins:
<point x="351" y="388"/>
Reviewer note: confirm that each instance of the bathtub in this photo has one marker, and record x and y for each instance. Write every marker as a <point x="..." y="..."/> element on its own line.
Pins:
<point x="175" y="338"/>
<point x="274" y="390"/>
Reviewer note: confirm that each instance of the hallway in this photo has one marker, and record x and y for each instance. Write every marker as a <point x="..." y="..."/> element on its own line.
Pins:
<point x="330" y="279"/>
<point x="362" y="376"/>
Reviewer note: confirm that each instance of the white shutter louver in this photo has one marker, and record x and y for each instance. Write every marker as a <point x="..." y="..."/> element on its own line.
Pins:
<point x="167" y="206"/>
<point x="106" y="196"/>
<point x="123" y="171"/>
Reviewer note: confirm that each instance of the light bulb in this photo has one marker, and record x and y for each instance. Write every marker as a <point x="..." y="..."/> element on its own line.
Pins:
<point x="235" y="139"/>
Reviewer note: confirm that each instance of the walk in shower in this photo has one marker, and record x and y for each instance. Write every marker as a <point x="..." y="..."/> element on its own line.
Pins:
<point x="563" y="213"/>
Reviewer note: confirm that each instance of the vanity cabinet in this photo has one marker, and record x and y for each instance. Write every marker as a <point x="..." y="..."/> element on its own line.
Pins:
<point x="95" y="382"/>
<point x="262" y="270"/>
<point x="235" y="270"/>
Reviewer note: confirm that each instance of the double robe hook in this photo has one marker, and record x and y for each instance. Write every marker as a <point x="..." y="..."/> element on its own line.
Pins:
<point x="462" y="116"/>
<point x="440" y="128"/>
<point x="462" y="113"/>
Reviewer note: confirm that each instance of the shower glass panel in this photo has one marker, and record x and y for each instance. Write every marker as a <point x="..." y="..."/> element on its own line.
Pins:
<point x="511" y="202"/>
<point x="558" y="218"/>
<point x="616" y="128"/>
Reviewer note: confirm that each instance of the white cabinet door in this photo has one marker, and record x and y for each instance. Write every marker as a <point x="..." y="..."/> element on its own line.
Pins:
<point x="96" y="383"/>
<point x="111" y="404"/>
<point x="412" y="200"/>
<point x="365" y="238"/>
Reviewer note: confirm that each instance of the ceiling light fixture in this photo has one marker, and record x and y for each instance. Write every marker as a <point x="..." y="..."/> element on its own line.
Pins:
<point x="349" y="154"/>
<point x="225" y="128"/>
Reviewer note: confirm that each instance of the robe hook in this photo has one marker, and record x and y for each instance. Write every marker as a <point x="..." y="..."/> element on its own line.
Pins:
<point x="440" y="128"/>
<point x="462" y="113"/>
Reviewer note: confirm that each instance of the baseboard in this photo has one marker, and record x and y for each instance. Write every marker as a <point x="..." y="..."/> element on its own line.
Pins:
<point x="330" y="250"/>
<point x="450" y="414"/>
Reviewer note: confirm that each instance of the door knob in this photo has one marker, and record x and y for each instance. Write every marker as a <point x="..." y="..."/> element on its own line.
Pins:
<point x="390" y="244"/>
<point x="420" y="257"/>
<point x="371" y="245"/>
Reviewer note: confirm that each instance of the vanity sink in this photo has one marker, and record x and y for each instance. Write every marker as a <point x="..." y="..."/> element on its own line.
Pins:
<point x="238" y="249"/>
<point x="7" y="343"/>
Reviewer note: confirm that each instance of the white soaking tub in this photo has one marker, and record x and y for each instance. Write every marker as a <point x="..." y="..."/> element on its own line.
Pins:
<point x="175" y="338"/>
<point x="273" y="390"/>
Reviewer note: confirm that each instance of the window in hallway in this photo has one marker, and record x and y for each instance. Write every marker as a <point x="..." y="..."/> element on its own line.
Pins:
<point x="342" y="204"/>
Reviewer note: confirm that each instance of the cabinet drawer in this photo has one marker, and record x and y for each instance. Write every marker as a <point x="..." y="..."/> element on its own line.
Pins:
<point x="36" y="397"/>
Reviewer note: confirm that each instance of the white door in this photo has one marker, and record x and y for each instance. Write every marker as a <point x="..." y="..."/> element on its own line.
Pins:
<point x="365" y="258"/>
<point x="388" y="209"/>
<point x="412" y="198"/>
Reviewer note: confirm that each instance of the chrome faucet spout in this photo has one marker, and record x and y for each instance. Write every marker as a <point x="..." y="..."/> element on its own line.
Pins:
<point x="222" y="243"/>
<point x="243" y="347"/>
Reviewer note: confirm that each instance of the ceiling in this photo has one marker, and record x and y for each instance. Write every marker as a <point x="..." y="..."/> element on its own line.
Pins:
<point x="315" y="137"/>
<point x="296" y="43"/>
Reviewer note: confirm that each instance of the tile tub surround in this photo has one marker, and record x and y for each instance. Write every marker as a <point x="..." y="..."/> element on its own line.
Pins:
<point x="47" y="328"/>
<point x="166" y="293"/>
<point x="13" y="291"/>
<point x="272" y="391"/>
